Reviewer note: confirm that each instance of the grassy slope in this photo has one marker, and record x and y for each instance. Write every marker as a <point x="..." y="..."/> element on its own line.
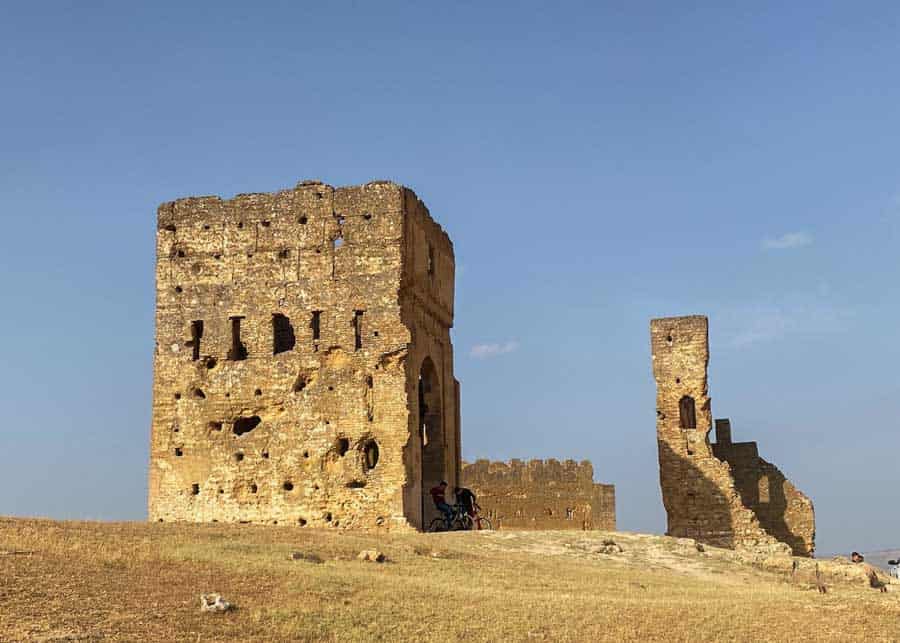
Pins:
<point x="141" y="582"/>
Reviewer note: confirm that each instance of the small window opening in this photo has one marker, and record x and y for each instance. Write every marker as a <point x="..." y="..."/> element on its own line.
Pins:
<point x="237" y="351"/>
<point x="179" y="289"/>
<point x="178" y="452"/>
<point x="239" y="457"/>
<point x="327" y="516"/>
<point x="206" y="226"/>
<point x="283" y="339"/>
<point x="356" y="484"/>
<point x="170" y="228"/>
<point x="306" y="454"/>
<point x="301" y="522"/>
<point x="199" y="394"/>
<point x="178" y="396"/>
<point x="367" y="216"/>
<point x="240" y="225"/>
<point x="430" y="260"/>
<point x="357" y="328"/>
<point x="266" y="224"/>
<point x="316" y="324"/>
<point x="303" y="220"/>
<point x="265" y="455"/>
<point x="195" y="489"/>
<point x="181" y="253"/>
<point x="288" y="485"/>
<point x="687" y="413"/>
<point x="342" y="446"/>
<point x="284" y="253"/>
<point x="253" y="488"/>
<point x="370" y="451"/>
<point x="245" y="425"/>
<point x="196" y="336"/>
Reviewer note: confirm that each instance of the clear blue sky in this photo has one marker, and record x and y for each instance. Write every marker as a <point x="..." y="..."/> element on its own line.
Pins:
<point x="595" y="166"/>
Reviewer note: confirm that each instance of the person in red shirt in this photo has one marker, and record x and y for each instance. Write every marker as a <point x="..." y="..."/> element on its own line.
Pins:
<point x="439" y="495"/>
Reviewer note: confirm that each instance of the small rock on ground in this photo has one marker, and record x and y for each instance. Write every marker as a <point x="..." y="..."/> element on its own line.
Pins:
<point x="371" y="556"/>
<point x="214" y="603"/>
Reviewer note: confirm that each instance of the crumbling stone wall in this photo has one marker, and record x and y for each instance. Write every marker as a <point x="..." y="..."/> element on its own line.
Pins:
<point x="782" y="509"/>
<point x="303" y="370"/>
<point x="541" y="494"/>
<point x="701" y="485"/>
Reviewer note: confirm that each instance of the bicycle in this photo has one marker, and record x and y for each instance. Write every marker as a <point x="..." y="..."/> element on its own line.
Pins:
<point x="460" y="520"/>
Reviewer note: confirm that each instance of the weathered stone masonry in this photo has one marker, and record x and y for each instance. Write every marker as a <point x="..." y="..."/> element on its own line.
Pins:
<point x="541" y="494"/>
<point x="721" y="494"/>
<point x="303" y="370"/>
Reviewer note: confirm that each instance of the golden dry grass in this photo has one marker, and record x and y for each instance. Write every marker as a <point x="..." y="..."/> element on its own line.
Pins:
<point x="79" y="581"/>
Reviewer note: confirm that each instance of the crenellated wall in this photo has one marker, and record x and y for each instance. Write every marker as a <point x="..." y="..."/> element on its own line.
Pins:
<point x="541" y="494"/>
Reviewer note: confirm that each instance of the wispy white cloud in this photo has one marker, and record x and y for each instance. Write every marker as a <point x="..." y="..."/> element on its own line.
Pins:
<point x="483" y="351"/>
<point x="751" y="325"/>
<point x="787" y="241"/>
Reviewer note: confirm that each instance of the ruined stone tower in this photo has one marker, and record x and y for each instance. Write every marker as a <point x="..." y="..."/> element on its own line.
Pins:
<point x="303" y="371"/>
<point x="721" y="494"/>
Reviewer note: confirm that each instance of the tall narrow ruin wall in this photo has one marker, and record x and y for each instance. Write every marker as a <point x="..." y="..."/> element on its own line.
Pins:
<point x="700" y="493"/>
<point x="541" y="494"/>
<point x="290" y="333"/>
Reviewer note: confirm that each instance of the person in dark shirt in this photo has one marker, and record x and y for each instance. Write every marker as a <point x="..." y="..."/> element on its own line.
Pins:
<point x="466" y="498"/>
<point x="439" y="495"/>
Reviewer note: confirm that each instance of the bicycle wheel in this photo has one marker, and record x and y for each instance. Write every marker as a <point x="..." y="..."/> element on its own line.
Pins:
<point x="437" y="525"/>
<point x="485" y="523"/>
<point x="463" y="523"/>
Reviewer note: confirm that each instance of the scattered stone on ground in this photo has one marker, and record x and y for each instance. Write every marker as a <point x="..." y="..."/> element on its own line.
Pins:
<point x="609" y="547"/>
<point x="371" y="555"/>
<point x="305" y="556"/>
<point x="214" y="603"/>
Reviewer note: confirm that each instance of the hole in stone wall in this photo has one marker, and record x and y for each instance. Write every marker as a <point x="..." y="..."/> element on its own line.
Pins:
<point x="214" y="426"/>
<point x="375" y="333"/>
<point x="337" y="242"/>
<point x="266" y="224"/>
<point x="195" y="489"/>
<point x="265" y="455"/>
<point x="288" y="485"/>
<point x="669" y="338"/>
<point x="430" y="260"/>
<point x="238" y="456"/>
<point x="257" y="392"/>
<point x="306" y="454"/>
<point x="245" y="425"/>
<point x="330" y="388"/>
<point x="678" y="380"/>
<point x="206" y="226"/>
<point x="211" y="363"/>
<point x="369" y="381"/>
<point x="179" y="452"/>
<point x="217" y="256"/>
<point x="284" y="253"/>
<point x="240" y="225"/>
<point x="178" y="396"/>
<point x="367" y="216"/>
<point x="301" y="382"/>
<point x="170" y="228"/>
<point x="370" y="453"/>
<point x="356" y="484"/>
<point x="179" y="289"/>
<point x="282" y="334"/>
<point x="237" y="351"/>
<point x="196" y="336"/>
<point x="327" y="516"/>
<point x="301" y="522"/>
<point x="687" y="413"/>
<point x="181" y="253"/>
<point x="303" y="220"/>
<point x="199" y="394"/>
<point x="316" y="324"/>
<point x="342" y="445"/>
<point x="253" y="488"/>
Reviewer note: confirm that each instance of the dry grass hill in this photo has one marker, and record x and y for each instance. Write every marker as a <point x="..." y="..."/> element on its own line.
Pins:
<point x="81" y="581"/>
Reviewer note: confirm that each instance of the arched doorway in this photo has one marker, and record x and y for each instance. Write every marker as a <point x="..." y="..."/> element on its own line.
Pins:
<point x="431" y="436"/>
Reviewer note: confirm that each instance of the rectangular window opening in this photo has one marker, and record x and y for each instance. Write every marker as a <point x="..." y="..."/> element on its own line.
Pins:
<point x="196" y="335"/>
<point x="316" y="324"/>
<point x="237" y="351"/>
<point x="357" y="328"/>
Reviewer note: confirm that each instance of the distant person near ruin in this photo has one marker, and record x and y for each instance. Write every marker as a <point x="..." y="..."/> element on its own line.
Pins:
<point x="439" y="495"/>
<point x="466" y="499"/>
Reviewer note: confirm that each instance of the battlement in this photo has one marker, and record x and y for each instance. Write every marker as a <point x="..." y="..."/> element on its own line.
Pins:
<point x="542" y="494"/>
